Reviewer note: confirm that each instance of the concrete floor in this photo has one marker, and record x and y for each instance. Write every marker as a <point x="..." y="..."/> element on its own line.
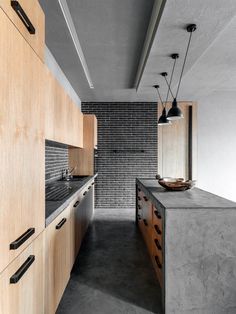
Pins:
<point x="113" y="273"/>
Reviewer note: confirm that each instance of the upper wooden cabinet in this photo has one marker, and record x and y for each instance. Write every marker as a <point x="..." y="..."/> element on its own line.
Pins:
<point x="23" y="13"/>
<point x="22" y="187"/>
<point x="63" y="118"/>
<point x="83" y="159"/>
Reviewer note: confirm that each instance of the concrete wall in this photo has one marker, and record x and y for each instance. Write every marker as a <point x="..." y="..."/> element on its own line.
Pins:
<point x="60" y="76"/>
<point x="217" y="144"/>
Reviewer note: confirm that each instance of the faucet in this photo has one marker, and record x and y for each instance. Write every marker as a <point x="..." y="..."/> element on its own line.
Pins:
<point x="67" y="173"/>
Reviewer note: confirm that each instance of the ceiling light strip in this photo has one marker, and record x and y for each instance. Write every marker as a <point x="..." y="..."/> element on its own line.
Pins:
<point x="70" y="24"/>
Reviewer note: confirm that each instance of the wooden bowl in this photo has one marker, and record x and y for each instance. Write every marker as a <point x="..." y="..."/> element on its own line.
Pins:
<point x="176" y="184"/>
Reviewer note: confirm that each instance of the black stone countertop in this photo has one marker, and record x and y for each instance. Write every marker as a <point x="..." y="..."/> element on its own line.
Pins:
<point x="189" y="199"/>
<point x="54" y="208"/>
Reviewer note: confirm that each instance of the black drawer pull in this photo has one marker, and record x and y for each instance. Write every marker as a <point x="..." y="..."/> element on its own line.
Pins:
<point x="145" y="222"/>
<point x="158" y="262"/>
<point x="89" y="187"/>
<point x="20" y="272"/>
<point x="85" y="193"/>
<point x="61" y="223"/>
<point x="76" y="204"/>
<point x="25" y="236"/>
<point x="139" y="207"/>
<point x="158" y="245"/>
<point x="139" y="190"/>
<point x="145" y="198"/>
<point x="93" y="183"/>
<point x="22" y="15"/>
<point x="158" y="231"/>
<point x="139" y="217"/>
<point x="157" y="214"/>
<point x="139" y="198"/>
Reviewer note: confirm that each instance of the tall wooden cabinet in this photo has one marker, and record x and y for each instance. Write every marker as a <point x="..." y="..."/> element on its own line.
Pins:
<point x="22" y="214"/>
<point x="82" y="160"/>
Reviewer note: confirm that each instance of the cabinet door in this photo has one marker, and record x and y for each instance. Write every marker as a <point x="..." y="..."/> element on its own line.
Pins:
<point x="22" y="282"/>
<point x="36" y="16"/>
<point x="22" y="214"/>
<point x="58" y="259"/>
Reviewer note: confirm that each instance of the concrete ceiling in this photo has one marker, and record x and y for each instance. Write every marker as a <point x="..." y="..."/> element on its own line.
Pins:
<point x="112" y="34"/>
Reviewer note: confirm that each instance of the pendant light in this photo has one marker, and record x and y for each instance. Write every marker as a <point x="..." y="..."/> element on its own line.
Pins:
<point x="163" y="118"/>
<point x="175" y="112"/>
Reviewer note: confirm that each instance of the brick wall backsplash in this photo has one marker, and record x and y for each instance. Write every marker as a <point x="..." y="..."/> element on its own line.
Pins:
<point x="56" y="159"/>
<point x="127" y="148"/>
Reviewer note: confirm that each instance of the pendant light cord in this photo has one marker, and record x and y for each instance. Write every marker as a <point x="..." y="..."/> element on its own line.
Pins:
<point x="160" y="98"/>
<point x="169" y="84"/>
<point x="185" y="58"/>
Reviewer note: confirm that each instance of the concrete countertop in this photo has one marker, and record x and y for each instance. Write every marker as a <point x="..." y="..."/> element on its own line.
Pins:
<point x="189" y="199"/>
<point x="54" y="208"/>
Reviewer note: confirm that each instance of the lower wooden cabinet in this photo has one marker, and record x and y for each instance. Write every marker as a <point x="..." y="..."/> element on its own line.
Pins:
<point x="22" y="282"/>
<point x="58" y="259"/>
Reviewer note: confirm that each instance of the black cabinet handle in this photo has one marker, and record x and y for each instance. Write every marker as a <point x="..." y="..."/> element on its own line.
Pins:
<point x="25" y="236"/>
<point x="139" y="207"/>
<point x="139" y="198"/>
<point x="139" y="190"/>
<point x="61" y="223"/>
<point x="145" y="198"/>
<point x="139" y="217"/>
<point x="145" y="222"/>
<point x="76" y="204"/>
<point x="158" y="245"/>
<point x="85" y="193"/>
<point x="158" y="262"/>
<point x="157" y="214"/>
<point x="89" y="187"/>
<point x="158" y="231"/>
<point x="20" y="272"/>
<point x="22" y="15"/>
<point x="93" y="183"/>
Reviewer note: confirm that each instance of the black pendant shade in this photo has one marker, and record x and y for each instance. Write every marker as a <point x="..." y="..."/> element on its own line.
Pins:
<point x="174" y="113"/>
<point x="163" y="118"/>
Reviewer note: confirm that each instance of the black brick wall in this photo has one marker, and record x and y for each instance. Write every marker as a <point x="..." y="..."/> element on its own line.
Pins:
<point x="127" y="148"/>
<point x="56" y="159"/>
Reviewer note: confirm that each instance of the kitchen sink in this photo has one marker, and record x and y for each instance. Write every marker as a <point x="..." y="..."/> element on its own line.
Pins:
<point x="74" y="178"/>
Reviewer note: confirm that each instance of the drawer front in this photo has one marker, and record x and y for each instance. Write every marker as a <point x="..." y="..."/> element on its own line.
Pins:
<point x="22" y="282"/>
<point x="157" y="248"/>
<point x="146" y="231"/>
<point x="158" y="268"/>
<point x="29" y="19"/>
<point x="157" y="219"/>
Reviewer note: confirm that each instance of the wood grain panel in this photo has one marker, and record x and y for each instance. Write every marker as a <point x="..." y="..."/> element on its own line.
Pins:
<point x="37" y="18"/>
<point x="27" y="295"/>
<point x="173" y="144"/>
<point x="22" y="141"/>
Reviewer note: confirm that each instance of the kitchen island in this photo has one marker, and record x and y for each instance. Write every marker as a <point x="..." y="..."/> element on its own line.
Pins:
<point x="191" y="238"/>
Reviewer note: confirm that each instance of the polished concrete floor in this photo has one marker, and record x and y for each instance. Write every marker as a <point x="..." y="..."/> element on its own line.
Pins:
<point x="113" y="273"/>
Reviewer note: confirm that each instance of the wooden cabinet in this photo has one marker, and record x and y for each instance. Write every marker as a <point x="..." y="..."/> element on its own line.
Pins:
<point x="177" y="144"/>
<point x="35" y="14"/>
<point x="22" y="282"/>
<point x="63" y="119"/>
<point x="22" y="144"/>
<point x="58" y="259"/>
<point x="83" y="159"/>
<point x="150" y="223"/>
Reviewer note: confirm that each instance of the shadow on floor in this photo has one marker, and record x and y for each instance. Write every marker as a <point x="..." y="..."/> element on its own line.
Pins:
<point x="113" y="272"/>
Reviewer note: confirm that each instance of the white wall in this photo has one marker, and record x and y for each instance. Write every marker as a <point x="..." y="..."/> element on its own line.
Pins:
<point x="59" y="74"/>
<point x="217" y="144"/>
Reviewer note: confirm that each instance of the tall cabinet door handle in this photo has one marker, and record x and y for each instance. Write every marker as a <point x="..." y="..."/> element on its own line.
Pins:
<point x="25" y="236"/>
<point x="22" y="15"/>
<point x="61" y="223"/>
<point x="24" y="267"/>
<point x="76" y="204"/>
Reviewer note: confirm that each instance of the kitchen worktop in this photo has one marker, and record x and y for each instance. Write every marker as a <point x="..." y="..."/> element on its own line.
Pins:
<point x="194" y="198"/>
<point x="54" y="208"/>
